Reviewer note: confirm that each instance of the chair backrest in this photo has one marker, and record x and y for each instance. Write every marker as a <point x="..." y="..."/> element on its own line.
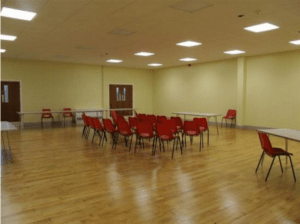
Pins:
<point x="47" y="113"/>
<point x="178" y="121"/>
<point x="161" y="119"/>
<point x="152" y="119"/>
<point x="67" y="111"/>
<point x="164" y="131"/>
<point x="91" y="122"/>
<point x="202" y="122"/>
<point x="191" y="128"/>
<point x="120" y="118"/>
<point x="142" y="117"/>
<point x="108" y="126"/>
<point x="114" y="116"/>
<point x="231" y="113"/>
<point x="265" y="143"/>
<point x="97" y="124"/>
<point x="145" y="129"/>
<point x="172" y="124"/>
<point x="133" y="121"/>
<point x="85" y="120"/>
<point x="124" y="128"/>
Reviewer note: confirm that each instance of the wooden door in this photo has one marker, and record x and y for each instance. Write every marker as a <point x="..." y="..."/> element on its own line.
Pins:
<point x="120" y="97"/>
<point x="10" y="101"/>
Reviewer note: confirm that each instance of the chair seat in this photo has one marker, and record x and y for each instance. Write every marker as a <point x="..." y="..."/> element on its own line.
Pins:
<point x="194" y="133"/>
<point x="278" y="152"/>
<point x="126" y="133"/>
<point x="146" y="135"/>
<point x="203" y="129"/>
<point x="166" y="137"/>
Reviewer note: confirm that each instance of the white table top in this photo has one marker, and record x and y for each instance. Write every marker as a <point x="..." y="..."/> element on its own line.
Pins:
<point x="198" y="114"/>
<point x="283" y="133"/>
<point x="6" y="126"/>
<point x="72" y="111"/>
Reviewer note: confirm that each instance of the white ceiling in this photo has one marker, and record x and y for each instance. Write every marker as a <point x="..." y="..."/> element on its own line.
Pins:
<point x="62" y="27"/>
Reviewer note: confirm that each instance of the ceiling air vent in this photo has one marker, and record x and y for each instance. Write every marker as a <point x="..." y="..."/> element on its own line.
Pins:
<point x="122" y="32"/>
<point x="191" y="5"/>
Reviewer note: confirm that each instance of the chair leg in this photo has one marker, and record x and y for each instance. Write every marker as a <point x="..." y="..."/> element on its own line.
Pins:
<point x="83" y="130"/>
<point x="280" y="164"/>
<point x="292" y="168"/>
<point x="130" y="141"/>
<point x="94" y="135"/>
<point x="222" y="122"/>
<point x="136" y="141"/>
<point x="42" y="126"/>
<point x="260" y="160"/>
<point x="202" y="139"/>
<point x="207" y="136"/>
<point x="270" y="169"/>
<point x="173" y="148"/>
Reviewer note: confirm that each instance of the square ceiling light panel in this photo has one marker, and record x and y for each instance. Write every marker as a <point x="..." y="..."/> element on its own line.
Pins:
<point x="144" y="54"/>
<point x="17" y="14"/>
<point x="234" y="52"/>
<point x="296" y="42"/>
<point x="7" y="37"/>
<point x="188" y="59"/>
<point x="261" y="27"/>
<point x="155" y="64"/>
<point x="189" y="43"/>
<point x="114" y="61"/>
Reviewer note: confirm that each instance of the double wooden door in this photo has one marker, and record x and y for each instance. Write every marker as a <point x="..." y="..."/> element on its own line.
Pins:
<point x="120" y="97"/>
<point x="10" y="101"/>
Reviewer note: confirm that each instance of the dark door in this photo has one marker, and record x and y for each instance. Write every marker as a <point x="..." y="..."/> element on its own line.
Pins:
<point x="10" y="101"/>
<point x="120" y="97"/>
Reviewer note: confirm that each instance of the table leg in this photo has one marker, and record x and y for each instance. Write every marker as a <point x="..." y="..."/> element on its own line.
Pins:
<point x="9" y="149"/>
<point x="286" y="149"/>
<point x="217" y="124"/>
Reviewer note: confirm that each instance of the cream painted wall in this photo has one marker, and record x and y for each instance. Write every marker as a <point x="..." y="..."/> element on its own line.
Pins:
<point x="273" y="90"/>
<point x="208" y="87"/>
<point x="54" y="85"/>
<point x="57" y="85"/>
<point x="142" y="81"/>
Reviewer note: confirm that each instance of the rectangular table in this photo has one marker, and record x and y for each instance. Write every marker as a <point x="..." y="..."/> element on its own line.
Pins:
<point x="5" y="128"/>
<point x="21" y="114"/>
<point x="287" y="134"/>
<point x="207" y="115"/>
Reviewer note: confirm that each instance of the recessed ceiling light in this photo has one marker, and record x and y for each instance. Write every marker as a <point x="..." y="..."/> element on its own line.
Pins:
<point x="114" y="60"/>
<point x="234" y="52"/>
<point x="7" y="37"/>
<point x="155" y="64"/>
<point x="296" y="42"/>
<point x="145" y="54"/>
<point x="261" y="27"/>
<point x="188" y="43"/>
<point x="2" y="50"/>
<point x="17" y="14"/>
<point x="188" y="59"/>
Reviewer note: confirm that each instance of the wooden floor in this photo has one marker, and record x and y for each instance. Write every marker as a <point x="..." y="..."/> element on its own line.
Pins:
<point x="59" y="177"/>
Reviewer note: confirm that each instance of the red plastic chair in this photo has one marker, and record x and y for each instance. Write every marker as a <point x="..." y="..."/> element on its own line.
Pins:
<point x="133" y="121"/>
<point x="142" y="117"/>
<point x="164" y="133"/>
<point x="179" y="123"/>
<point x="68" y="114"/>
<point x="202" y="122"/>
<point x="231" y="115"/>
<point x="152" y="118"/>
<point x="144" y="131"/>
<point x="114" y="117"/>
<point x="272" y="152"/>
<point x="191" y="129"/>
<point x="46" y="115"/>
<point x="99" y="130"/>
<point x="86" y="125"/>
<point x="124" y="130"/>
<point x="120" y="118"/>
<point x="109" y="128"/>
<point x="161" y="119"/>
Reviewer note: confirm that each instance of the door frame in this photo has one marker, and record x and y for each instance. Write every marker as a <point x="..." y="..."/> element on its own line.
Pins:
<point x="129" y="84"/>
<point x="21" y="96"/>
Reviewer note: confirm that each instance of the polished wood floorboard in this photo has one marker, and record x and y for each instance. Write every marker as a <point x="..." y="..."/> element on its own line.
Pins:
<point x="59" y="177"/>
